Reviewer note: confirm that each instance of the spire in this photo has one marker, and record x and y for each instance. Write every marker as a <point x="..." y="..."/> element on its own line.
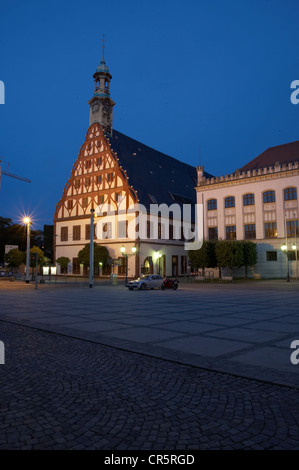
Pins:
<point x="101" y="104"/>
<point x="103" y="47"/>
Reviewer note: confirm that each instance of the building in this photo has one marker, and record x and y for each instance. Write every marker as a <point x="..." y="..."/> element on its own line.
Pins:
<point x="112" y="168"/>
<point x="258" y="202"/>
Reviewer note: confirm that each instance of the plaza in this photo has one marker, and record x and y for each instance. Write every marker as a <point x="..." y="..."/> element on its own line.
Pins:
<point x="204" y="367"/>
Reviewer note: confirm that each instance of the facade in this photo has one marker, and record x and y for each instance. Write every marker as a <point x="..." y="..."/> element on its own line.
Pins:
<point x="114" y="169"/>
<point x="259" y="202"/>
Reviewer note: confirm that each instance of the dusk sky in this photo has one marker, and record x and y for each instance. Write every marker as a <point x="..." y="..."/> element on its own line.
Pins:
<point x="205" y="82"/>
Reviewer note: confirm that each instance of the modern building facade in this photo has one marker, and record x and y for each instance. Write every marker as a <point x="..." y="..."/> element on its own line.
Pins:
<point x="258" y="202"/>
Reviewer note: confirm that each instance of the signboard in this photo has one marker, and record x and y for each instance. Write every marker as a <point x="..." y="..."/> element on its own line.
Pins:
<point x="116" y="262"/>
<point x="10" y="247"/>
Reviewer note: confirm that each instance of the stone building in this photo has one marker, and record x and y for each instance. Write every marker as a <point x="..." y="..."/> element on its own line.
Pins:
<point x="111" y="168"/>
<point x="258" y="202"/>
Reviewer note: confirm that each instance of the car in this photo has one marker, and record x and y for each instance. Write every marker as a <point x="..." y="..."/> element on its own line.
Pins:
<point x="147" y="281"/>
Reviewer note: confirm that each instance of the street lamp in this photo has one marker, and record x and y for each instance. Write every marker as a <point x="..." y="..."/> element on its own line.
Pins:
<point x="27" y="222"/>
<point x="91" y="249"/>
<point x="284" y="248"/>
<point x="123" y="251"/>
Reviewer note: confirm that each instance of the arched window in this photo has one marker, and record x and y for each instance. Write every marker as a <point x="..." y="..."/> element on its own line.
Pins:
<point x="248" y="199"/>
<point x="290" y="193"/>
<point x="269" y="196"/>
<point x="229" y="201"/>
<point x="212" y="204"/>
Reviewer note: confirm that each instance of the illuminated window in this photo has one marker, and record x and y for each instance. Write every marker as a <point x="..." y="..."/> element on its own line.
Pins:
<point x="231" y="233"/>
<point x="270" y="230"/>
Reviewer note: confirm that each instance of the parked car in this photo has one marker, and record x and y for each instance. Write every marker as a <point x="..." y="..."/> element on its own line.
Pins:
<point x="147" y="281"/>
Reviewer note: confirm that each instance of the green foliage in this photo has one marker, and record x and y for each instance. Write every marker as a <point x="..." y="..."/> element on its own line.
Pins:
<point x="205" y="257"/>
<point x="249" y="253"/>
<point x="14" y="258"/>
<point x="63" y="261"/>
<point x="229" y="254"/>
<point x="40" y="254"/>
<point x="101" y="254"/>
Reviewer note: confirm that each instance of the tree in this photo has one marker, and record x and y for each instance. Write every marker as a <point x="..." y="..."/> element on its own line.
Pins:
<point x="100" y="255"/>
<point x="63" y="261"/>
<point x="205" y="257"/>
<point x="249" y="255"/>
<point x="229" y="254"/>
<point x="40" y="255"/>
<point x="14" y="258"/>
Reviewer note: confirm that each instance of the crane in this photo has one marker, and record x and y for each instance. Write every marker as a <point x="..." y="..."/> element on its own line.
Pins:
<point x="7" y="173"/>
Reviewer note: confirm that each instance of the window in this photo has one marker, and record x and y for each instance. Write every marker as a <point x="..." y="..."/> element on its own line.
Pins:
<point x="101" y="199"/>
<point x="76" y="266"/>
<point x="149" y="229"/>
<point x="122" y="229"/>
<point x="70" y="204"/>
<point x="110" y="177"/>
<point x="87" y="232"/>
<point x="248" y="199"/>
<point x="99" y="159"/>
<point x="271" y="255"/>
<point x="118" y="197"/>
<point x="99" y="179"/>
<point x="249" y="231"/>
<point x="77" y="184"/>
<point x="230" y="232"/>
<point x="290" y="193"/>
<point x="64" y="234"/>
<point x="213" y="233"/>
<point x="183" y="264"/>
<point x="292" y="228"/>
<point x="269" y="196"/>
<point x="88" y="164"/>
<point x="87" y="181"/>
<point x="107" y="230"/>
<point x="230" y="201"/>
<point x="270" y="230"/>
<point x="76" y="232"/>
<point x="84" y="201"/>
<point x="212" y="204"/>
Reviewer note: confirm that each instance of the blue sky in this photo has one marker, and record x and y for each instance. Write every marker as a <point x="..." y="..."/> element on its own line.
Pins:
<point x="205" y="82"/>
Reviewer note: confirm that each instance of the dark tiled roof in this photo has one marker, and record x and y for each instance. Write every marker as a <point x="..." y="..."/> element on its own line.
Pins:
<point x="282" y="153"/>
<point x="157" y="178"/>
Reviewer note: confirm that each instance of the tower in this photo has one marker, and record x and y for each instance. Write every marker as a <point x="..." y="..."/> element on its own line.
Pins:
<point x="101" y="105"/>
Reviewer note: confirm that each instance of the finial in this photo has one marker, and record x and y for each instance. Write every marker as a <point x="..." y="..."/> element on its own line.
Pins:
<point x="103" y="47"/>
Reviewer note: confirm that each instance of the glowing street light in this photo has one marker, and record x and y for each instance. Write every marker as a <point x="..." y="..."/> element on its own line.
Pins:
<point x="123" y="251"/>
<point x="27" y="221"/>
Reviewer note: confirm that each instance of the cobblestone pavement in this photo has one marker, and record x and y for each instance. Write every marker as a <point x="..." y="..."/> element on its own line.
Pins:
<point x="59" y="392"/>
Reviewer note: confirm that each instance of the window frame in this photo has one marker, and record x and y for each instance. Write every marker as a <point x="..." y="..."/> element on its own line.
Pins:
<point x="229" y="202"/>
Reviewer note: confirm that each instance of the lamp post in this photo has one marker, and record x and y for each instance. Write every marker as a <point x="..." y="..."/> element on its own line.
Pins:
<point x="124" y="253"/>
<point x="27" y="222"/>
<point x="284" y="248"/>
<point x="91" y="249"/>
